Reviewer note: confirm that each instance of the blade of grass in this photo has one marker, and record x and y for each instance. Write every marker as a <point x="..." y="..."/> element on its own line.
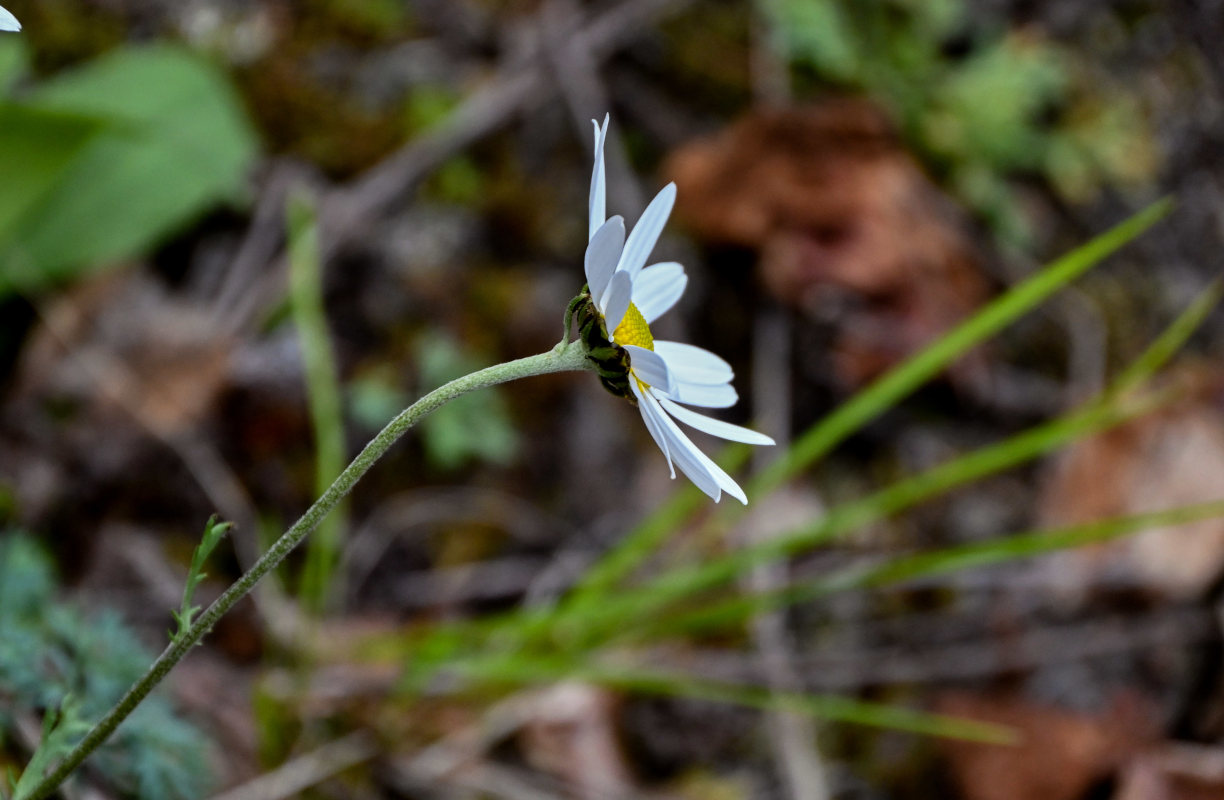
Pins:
<point x="647" y="602"/>
<point x="978" y="554"/>
<point x="644" y="540"/>
<point x="735" y="611"/>
<point x="1171" y="340"/>
<point x="319" y="575"/>
<point x="834" y="708"/>
<point x="869" y="403"/>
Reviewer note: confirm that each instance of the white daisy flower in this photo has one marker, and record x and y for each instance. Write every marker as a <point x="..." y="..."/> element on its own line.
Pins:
<point x="625" y="297"/>
<point x="7" y="21"/>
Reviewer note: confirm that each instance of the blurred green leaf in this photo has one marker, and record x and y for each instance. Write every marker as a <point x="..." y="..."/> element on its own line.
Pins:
<point x="178" y="143"/>
<point x="475" y="426"/>
<point x="14" y="60"/>
<point x="935" y="20"/>
<point x="986" y="110"/>
<point x="214" y="531"/>
<point x="37" y="147"/>
<point x="374" y="399"/>
<point x="364" y="18"/>
<point x="817" y="31"/>
<point x="427" y="105"/>
<point x="53" y="656"/>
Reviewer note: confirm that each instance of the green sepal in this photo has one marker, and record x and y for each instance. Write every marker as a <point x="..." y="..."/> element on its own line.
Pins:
<point x="611" y="362"/>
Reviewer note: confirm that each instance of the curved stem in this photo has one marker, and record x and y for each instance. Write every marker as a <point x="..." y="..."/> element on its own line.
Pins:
<point x="564" y="357"/>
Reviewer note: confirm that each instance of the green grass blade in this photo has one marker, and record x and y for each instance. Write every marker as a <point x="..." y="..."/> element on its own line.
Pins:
<point x="644" y="540"/>
<point x="924" y="565"/>
<point x="833" y="708"/>
<point x="978" y="554"/>
<point x="1171" y="340"/>
<point x="646" y="603"/>
<point x="319" y="575"/>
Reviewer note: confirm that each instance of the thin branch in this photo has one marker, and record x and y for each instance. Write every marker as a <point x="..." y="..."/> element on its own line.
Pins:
<point x="792" y="736"/>
<point x="307" y="770"/>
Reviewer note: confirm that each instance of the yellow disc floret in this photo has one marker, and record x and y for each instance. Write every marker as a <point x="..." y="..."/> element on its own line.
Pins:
<point x="633" y="329"/>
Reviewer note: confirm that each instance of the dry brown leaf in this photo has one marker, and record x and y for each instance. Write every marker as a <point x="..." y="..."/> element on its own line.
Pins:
<point x="572" y="735"/>
<point x="1060" y="755"/>
<point x="1174" y="771"/>
<point x="121" y="345"/>
<point x="1171" y="458"/>
<point x="847" y="227"/>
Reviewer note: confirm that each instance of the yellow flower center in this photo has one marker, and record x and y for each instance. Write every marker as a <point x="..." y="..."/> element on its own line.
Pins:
<point x="634" y="330"/>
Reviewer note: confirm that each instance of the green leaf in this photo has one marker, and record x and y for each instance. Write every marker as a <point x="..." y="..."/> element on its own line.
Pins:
<point x="14" y="60"/>
<point x="37" y="147"/>
<point x="475" y="426"/>
<point x="214" y="532"/>
<point x="818" y="32"/>
<point x="987" y="110"/>
<point x="179" y="143"/>
<point x="84" y="664"/>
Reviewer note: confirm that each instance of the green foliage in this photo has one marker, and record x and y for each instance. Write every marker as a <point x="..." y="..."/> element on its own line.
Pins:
<point x="369" y="18"/>
<point x="1012" y="103"/>
<point x="14" y="57"/>
<point x="458" y="180"/>
<point x="60" y="730"/>
<point x="427" y="106"/>
<point x="476" y="426"/>
<point x="374" y="398"/>
<point x="322" y="391"/>
<point x="37" y="148"/>
<point x="83" y="665"/>
<point x="214" y="532"/>
<point x="167" y="140"/>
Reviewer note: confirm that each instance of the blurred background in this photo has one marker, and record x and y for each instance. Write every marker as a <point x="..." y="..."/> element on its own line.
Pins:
<point x="236" y="238"/>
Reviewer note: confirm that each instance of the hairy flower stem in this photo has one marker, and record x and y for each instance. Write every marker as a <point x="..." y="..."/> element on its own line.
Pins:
<point x="566" y="356"/>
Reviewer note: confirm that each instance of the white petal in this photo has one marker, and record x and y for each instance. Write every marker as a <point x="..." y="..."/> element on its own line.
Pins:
<point x="692" y="461"/>
<point x="695" y="394"/>
<point x="714" y="427"/>
<point x="693" y="364"/>
<point x="646" y="232"/>
<point x="657" y="289"/>
<point x="602" y="253"/>
<point x="688" y="463"/>
<point x="616" y="301"/>
<point x="651" y="415"/>
<point x="7" y="21"/>
<point x="650" y="367"/>
<point x="598" y="178"/>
